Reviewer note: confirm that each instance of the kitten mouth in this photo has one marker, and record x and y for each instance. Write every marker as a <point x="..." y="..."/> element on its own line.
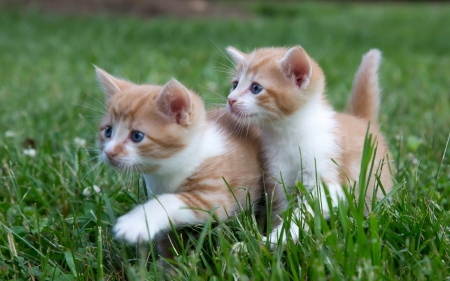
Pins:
<point x="236" y="112"/>
<point x="112" y="162"/>
<point x="121" y="166"/>
<point x="241" y="115"/>
<point x="246" y="115"/>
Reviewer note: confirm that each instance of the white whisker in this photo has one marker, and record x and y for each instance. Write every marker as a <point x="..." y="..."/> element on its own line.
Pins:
<point x="223" y="54"/>
<point x="92" y="108"/>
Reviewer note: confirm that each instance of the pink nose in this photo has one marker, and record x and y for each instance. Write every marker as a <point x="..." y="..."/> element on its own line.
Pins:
<point x="110" y="154"/>
<point x="231" y="101"/>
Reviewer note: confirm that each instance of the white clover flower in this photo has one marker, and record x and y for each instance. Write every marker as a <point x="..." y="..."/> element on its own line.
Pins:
<point x="10" y="134"/>
<point x="79" y="142"/>
<point x="96" y="189"/>
<point x="88" y="190"/>
<point x="29" y="152"/>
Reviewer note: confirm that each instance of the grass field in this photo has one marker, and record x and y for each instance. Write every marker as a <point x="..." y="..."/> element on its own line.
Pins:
<point x="48" y="101"/>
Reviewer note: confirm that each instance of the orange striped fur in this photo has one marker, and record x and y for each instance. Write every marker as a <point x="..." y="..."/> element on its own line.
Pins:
<point x="184" y="156"/>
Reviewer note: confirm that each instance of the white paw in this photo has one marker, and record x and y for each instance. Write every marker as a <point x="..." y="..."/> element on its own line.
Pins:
<point x="136" y="226"/>
<point x="278" y="236"/>
<point x="275" y="238"/>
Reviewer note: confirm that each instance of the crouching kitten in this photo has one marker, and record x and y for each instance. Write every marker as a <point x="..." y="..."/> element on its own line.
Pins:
<point x="184" y="154"/>
<point x="283" y="92"/>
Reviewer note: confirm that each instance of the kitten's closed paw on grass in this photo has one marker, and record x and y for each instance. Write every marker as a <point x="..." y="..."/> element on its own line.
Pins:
<point x="135" y="226"/>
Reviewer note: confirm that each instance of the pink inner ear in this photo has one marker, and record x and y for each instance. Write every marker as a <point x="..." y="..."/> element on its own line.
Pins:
<point x="174" y="102"/>
<point x="300" y="80"/>
<point x="297" y="64"/>
<point x="177" y="106"/>
<point x="301" y="71"/>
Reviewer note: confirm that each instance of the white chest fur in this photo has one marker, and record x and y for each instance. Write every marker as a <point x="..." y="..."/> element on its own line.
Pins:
<point x="301" y="146"/>
<point x="173" y="171"/>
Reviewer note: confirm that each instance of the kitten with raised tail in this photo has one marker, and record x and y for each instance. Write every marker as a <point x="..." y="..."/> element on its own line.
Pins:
<point x="282" y="91"/>
<point x="184" y="154"/>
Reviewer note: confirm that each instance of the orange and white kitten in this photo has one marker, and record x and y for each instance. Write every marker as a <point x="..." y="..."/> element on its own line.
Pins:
<point x="183" y="153"/>
<point x="282" y="92"/>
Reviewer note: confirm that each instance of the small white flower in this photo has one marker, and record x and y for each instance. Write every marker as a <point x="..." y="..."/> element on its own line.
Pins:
<point x="96" y="189"/>
<point x="79" y="142"/>
<point x="30" y="152"/>
<point x="10" y="134"/>
<point x="88" y="190"/>
<point x="415" y="161"/>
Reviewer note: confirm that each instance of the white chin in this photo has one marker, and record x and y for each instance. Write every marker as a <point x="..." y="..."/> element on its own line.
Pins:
<point x="245" y="119"/>
<point x="242" y="115"/>
<point x="238" y="113"/>
<point x="228" y="108"/>
<point x="114" y="163"/>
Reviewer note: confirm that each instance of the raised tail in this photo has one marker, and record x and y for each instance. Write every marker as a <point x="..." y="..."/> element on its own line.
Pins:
<point x="365" y="100"/>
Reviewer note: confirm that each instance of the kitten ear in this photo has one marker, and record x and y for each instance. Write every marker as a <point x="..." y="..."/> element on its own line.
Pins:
<point x="235" y="54"/>
<point x="297" y="63"/>
<point x="109" y="83"/>
<point x="174" y="101"/>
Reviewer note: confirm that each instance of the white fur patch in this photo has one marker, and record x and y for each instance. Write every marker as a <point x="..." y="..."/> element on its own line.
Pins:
<point x="278" y="234"/>
<point x="174" y="170"/>
<point x="298" y="145"/>
<point x="145" y="221"/>
<point x="300" y="148"/>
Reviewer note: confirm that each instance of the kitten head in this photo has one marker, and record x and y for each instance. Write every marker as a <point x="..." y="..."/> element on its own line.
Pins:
<point x="146" y="124"/>
<point x="272" y="83"/>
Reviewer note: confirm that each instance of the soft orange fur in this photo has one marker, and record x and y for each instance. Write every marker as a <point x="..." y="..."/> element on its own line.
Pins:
<point x="293" y="83"/>
<point x="144" y="108"/>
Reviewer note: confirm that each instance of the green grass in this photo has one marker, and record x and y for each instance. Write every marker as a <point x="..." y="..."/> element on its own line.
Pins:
<point x="50" y="231"/>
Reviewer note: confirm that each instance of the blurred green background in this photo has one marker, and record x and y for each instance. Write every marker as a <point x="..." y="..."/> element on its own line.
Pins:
<point x="49" y="98"/>
<point x="47" y="57"/>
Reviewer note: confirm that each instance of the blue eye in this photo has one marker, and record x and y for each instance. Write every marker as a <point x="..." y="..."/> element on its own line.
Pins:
<point x="235" y="84"/>
<point x="255" y="88"/>
<point x="108" y="131"/>
<point x="137" y="136"/>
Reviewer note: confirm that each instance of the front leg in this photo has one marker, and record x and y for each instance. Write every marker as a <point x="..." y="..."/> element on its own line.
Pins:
<point x="145" y="221"/>
<point x="298" y="218"/>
